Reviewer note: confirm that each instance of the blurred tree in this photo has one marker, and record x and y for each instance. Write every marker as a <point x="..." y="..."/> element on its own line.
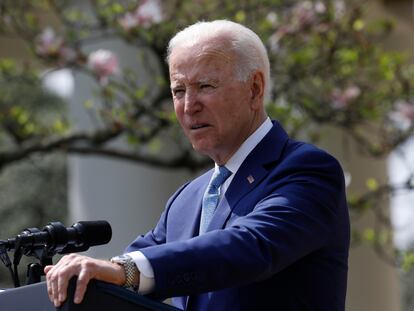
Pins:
<point x="32" y="192"/>
<point x="327" y="65"/>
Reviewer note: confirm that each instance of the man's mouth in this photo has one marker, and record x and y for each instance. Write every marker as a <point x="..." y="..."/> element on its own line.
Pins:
<point x="198" y="126"/>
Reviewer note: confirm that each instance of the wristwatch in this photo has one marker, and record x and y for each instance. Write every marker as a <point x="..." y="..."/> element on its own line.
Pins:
<point x="130" y="268"/>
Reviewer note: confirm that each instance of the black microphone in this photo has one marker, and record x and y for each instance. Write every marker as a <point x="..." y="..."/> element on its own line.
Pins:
<point x="56" y="238"/>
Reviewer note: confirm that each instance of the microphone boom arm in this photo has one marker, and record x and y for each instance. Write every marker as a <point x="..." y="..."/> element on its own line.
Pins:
<point x="54" y="239"/>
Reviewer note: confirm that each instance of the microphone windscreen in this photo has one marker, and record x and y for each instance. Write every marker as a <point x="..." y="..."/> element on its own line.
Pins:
<point x="96" y="232"/>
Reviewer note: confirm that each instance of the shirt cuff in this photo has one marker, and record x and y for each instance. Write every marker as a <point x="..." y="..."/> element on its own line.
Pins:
<point x="146" y="278"/>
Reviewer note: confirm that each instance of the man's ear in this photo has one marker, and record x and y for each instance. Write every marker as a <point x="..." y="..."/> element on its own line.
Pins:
<point x="257" y="88"/>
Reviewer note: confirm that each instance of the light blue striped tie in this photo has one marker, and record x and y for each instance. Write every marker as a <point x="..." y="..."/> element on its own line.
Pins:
<point x="211" y="197"/>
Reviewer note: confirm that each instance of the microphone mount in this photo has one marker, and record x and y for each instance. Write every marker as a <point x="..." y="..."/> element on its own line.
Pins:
<point x="54" y="239"/>
<point x="30" y="242"/>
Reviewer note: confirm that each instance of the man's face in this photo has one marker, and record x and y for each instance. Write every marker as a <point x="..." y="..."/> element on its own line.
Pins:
<point x="216" y="111"/>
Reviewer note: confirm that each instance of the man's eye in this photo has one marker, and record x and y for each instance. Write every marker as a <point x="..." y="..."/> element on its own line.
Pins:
<point x="178" y="92"/>
<point x="207" y="87"/>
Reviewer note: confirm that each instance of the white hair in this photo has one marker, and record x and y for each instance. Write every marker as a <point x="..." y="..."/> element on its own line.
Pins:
<point x="250" y="51"/>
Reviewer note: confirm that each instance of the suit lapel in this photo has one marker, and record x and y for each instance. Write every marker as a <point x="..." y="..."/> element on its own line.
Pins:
<point x="239" y="187"/>
<point x="184" y="217"/>
<point x="250" y="174"/>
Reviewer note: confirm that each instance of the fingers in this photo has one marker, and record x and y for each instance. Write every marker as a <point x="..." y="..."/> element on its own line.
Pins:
<point x="58" y="276"/>
<point x="86" y="268"/>
<point x="51" y="283"/>
<point x="47" y="269"/>
<point x="81" y="286"/>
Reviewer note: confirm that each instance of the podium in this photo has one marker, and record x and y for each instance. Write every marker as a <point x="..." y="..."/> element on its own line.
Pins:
<point x="99" y="296"/>
<point x="26" y="298"/>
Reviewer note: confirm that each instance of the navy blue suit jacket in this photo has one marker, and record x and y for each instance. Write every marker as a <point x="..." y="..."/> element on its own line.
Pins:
<point x="277" y="241"/>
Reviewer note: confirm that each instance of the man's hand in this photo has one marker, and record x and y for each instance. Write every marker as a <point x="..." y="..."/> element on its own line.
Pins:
<point x="86" y="268"/>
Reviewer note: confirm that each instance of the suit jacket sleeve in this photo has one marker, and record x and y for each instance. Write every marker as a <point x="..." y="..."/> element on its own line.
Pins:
<point x="296" y="209"/>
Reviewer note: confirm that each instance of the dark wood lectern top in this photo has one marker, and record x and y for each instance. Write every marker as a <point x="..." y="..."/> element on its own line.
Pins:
<point x="99" y="296"/>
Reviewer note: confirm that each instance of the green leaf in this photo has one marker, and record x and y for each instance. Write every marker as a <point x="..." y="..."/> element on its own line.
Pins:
<point x="117" y="8"/>
<point x="7" y="65"/>
<point x="31" y="20"/>
<point x="140" y="93"/>
<point x="240" y="16"/>
<point x="372" y="184"/>
<point x="89" y="104"/>
<point x="369" y="235"/>
<point x="59" y="126"/>
<point x="358" y="25"/>
<point x="155" y="145"/>
<point x="132" y="140"/>
<point x="408" y="261"/>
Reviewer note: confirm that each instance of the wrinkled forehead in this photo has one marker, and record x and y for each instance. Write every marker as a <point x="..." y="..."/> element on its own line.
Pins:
<point x="217" y="47"/>
<point x="202" y="66"/>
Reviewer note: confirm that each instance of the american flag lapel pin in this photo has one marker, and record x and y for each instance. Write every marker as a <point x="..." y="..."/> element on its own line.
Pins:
<point x="250" y="179"/>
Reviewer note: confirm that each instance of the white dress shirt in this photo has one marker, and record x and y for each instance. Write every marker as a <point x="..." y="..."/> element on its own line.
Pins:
<point x="147" y="281"/>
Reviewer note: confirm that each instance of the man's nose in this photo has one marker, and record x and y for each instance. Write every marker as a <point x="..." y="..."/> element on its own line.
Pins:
<point x="192" y="103"/>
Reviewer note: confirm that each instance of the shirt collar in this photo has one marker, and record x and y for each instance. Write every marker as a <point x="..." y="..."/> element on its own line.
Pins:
<point x="248" y="145"/>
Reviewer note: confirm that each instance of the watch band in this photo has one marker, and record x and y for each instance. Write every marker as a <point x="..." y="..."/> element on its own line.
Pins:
<point x="130" y="268"/>
<point x="131" y="272"/>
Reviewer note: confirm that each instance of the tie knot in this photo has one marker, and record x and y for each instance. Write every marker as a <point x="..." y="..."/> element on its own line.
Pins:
<point x="220" y="176"/>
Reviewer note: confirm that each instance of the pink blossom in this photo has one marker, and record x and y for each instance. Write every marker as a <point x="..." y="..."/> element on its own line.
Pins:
<point x="67" y="54"/>
<point x="103" y="63"/>
<point x="304" y="14"/>
<point x="339" y="8"/>
<point x="128" y="21"/>
<point x="307" y="13"/>
<point x="320" y="7"/>
<point x="403" y="116"/>
<point x="272" y="18"/>
<point x="352" y="92"/>
<point x="274" y="39"/>
<point x="274" y="42"/>
<point x="342" y="98"/>
<point x="47" y="43"/>
<point x="284" y="30"/>
<point x="149" y="12"/>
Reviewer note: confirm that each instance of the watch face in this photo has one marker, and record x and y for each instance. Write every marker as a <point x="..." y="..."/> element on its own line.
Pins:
<point x="120" y="259"/>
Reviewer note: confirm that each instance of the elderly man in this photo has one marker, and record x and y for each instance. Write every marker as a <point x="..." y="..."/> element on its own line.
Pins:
<point x="266" y="229"/>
